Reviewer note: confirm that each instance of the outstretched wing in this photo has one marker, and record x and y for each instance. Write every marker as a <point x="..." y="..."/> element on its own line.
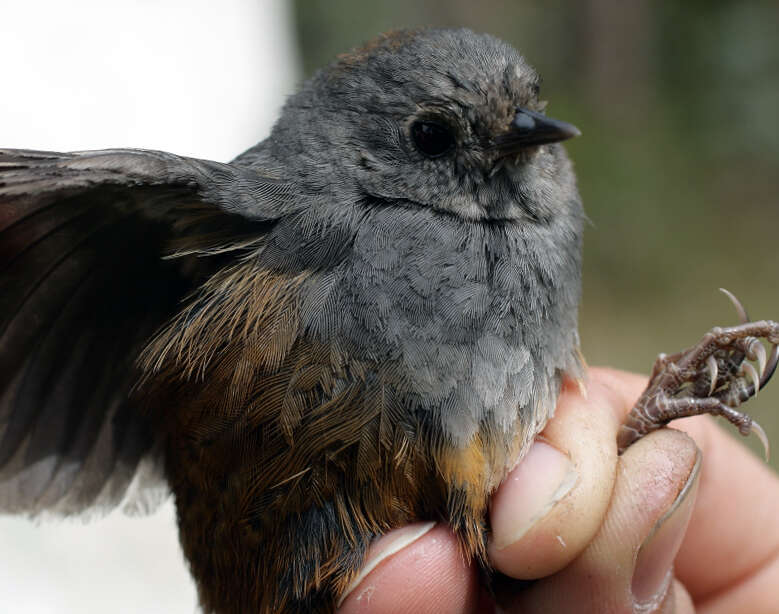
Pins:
<point x="83" y="286"/>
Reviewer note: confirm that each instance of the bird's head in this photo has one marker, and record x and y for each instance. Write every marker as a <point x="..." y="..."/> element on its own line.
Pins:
<point x="445" y="119"/>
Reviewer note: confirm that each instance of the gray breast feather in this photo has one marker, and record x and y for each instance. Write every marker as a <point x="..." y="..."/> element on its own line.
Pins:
<point x="461" y="306"/>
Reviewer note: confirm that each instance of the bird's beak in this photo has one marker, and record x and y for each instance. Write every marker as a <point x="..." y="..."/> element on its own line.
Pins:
<point x="530" y="128"/>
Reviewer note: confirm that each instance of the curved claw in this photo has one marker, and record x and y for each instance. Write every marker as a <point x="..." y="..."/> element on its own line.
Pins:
<point x="760" y="357"/>
<point x="758" y="431"/>
<point x="749" y="370"/>
<point x="711" y="363"/>
<point x="773" y="360"/>
<point x="742" y="313"/>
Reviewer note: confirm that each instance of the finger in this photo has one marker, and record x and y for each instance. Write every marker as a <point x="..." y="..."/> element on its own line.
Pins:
<point x="550" y="507"/>
<point x="625" y="386"/>
<point x="734" y="526"/>
<point x="628" y="565"/>
<point x="418" y="568"/>
<point x="682" y="603"/>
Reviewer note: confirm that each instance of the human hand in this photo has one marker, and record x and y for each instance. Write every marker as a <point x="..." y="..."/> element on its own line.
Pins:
<point x="600" y="533"/>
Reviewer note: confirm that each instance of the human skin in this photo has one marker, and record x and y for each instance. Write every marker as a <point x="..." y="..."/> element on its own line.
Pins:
<point x="684" y="521"/>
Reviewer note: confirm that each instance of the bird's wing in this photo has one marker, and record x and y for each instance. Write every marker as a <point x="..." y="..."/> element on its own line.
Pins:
<point x="84" y="283"/>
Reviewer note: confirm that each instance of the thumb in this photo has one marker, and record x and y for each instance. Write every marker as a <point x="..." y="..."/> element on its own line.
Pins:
<point x="419" y="569"/>
<point x="628" y="566"/>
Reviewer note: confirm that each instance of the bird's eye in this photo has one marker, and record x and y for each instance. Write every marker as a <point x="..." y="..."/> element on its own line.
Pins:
<point x="431" y="138"/>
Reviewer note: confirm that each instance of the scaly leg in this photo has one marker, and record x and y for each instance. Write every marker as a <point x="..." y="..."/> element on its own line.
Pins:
<point x="712" y="377"/>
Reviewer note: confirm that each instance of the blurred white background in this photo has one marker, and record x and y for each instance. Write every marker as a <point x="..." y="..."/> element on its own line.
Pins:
<point x="194" y="77"/>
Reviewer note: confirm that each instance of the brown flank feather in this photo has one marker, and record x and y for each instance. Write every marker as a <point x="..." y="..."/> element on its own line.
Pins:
<point x="289" y="453"/>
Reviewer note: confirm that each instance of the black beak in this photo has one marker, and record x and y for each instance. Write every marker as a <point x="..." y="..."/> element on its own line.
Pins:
<point x="532" y="128"/>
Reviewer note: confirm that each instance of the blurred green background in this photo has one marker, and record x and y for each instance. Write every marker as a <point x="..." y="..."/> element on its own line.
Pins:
<point x="678" y="164"/>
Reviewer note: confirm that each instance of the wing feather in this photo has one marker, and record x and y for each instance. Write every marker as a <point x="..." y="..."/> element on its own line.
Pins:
<point x="84" y="284"/>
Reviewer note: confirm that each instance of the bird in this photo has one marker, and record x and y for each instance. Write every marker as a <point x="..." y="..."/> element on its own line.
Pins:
<point x="362" y="321"/>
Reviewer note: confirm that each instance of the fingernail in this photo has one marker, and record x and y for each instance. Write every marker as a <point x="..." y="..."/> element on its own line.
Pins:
<point x="653" y="570"/>
<point x="385" y="547"/>
<point x="529" y="492"/>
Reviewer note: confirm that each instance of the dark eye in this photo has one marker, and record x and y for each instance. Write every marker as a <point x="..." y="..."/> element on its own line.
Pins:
<point x="431" y="138"/>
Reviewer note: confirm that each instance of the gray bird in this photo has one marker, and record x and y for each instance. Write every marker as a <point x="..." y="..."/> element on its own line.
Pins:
<point x="362" y="321"/>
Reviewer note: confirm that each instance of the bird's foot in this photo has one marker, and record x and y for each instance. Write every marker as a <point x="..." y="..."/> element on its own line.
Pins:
<point x="713" y="377"/>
